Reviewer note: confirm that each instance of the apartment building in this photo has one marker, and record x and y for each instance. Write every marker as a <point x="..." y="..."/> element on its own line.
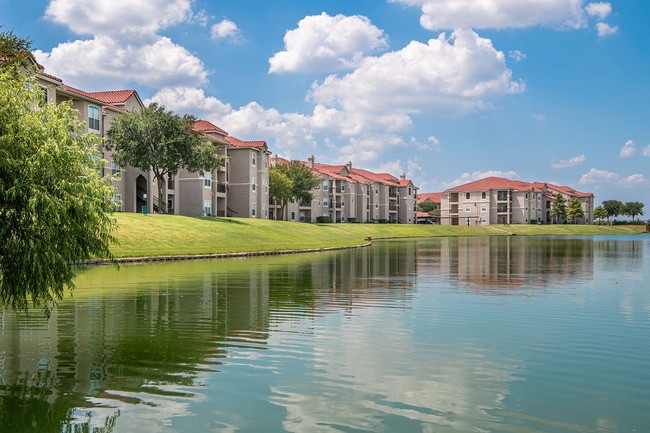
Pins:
<point x="347" y="193"/>
<point x="496" y="200"/>
<point x="248" y="178"/>
<point x="238" y="188"/>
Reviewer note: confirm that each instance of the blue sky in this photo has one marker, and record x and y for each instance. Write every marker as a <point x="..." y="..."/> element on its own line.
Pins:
<point x="447" y="91"/>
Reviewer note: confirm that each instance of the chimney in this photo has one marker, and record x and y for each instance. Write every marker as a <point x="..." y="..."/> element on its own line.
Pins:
<point x="349" y="165"/>
<point x="311" y="161"/>
<point x="402" y="176"/>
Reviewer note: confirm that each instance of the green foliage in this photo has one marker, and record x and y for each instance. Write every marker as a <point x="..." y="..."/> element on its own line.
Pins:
<point x="55" y="210"/>
<point x="280" y="188"/>
<point x="574" y="209"/>
<point x="159" y="140"/>
<point x="614" y="208"/>
<point x="323" y="219"/>
<point x="600" y="213"/>
<point x="559" y="208"/>
<point x="14" y="53"/>
<point x="427" y="206"/>
<point x="302" y="181"/>
<point x="632" y="209"/>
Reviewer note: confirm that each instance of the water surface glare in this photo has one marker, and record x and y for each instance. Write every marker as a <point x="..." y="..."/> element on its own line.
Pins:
<point x="498" y="334"/>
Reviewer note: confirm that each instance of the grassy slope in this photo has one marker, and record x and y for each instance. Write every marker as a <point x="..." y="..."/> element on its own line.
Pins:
<point x="160" y="235"/>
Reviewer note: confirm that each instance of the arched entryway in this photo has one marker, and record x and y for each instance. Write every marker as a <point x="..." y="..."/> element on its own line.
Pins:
<point x="141" y="189"/>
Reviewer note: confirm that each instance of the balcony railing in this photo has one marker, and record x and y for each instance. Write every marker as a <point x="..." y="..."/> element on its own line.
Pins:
<point x="222" y="187"/>
<point x="453" y="198"/>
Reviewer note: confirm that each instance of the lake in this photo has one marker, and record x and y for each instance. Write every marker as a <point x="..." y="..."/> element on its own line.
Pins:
<point x="490" y="334"/>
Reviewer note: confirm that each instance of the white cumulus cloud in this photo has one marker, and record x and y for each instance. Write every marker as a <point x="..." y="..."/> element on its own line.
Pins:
<point x="628" y="149"/>
<point x="516" y="55"/>
<point x="103" y="62"/>
<point x="600" y="10"/>
<point x="646" y="150"/>
<point x="191" y="100"/>
<point x="632" y="180"/>
<point x="500" y="14"/>
<point x="595" y="176"/>
<point x="118" y="17"/>
<point x="324" y="43"/>
<point x="571" y="162"/>
<point x="225" y="29"/>
<point x="455" y="73"/>
<point x="605" y="29"/>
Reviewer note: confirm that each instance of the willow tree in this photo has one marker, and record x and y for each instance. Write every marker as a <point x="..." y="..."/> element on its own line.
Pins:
<point x="55" y="209"/>
<point x="159" y="140"/>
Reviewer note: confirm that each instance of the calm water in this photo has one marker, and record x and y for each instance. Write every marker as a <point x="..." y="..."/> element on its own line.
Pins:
<point x="506" y="334"/>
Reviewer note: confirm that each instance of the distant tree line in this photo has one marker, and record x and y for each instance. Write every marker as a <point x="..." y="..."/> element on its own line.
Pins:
<point x="613" y="208"/>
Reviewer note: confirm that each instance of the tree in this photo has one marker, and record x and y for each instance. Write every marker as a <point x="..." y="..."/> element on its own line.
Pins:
<point x="14" y="53"/>
<point x="55" y="209"/>
<point x="613" y="207"/>
<point x="558" y="208"/>
<point x="600" y="213"/>
<point x="280" y="188"/>
<point x="302" y="181"/>
<point x="159" y="140"/>
<point x="632" y="209"/>
<point x="574" y="209"/>
<point x="427" y="206"/>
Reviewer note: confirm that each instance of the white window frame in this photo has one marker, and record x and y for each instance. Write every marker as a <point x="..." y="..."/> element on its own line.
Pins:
<point x="207" y="207"/>
<point x="93" y="119"/>
<point x="116" y="171"/>
<point x="325" y="185"/>
<point x="253" y="159"/>
<point x="468" y="195"/>
<point x="253" y="210"/>
<point x="207" y="179"/>
<point x="253" y="184"/>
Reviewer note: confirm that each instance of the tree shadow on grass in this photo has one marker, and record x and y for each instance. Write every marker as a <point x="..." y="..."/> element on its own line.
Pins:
<point x="221" y="220"/>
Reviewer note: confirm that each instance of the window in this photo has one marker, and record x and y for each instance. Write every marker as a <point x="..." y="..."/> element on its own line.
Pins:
<point x="376" y="191"/>
<point x="342" y="203"/>
<point x="170" y="181"/>
<point x="207" y="208"/>
<point x="324" y="185"/>
<point x="409" y="191"/>
<point x="253" y="159"/>
<point x="93" y="118"/>
<point x="44" y="96"/>
<point x="117" y="202"/>
<point x="526" y="196"/>
<point x="293" y="216"/>
<point x="467" y="208"/>
<point x="325" y="202"/>
<point x="207" y="179"/>
<point x="253" y="184"/>
<point x="483" y="219"/>
<point x="483" y="195"/>
<point x="116" y="170"/>
<point x="266" y="188"/>
<point x="483" y="208"/>
<point x="343" y="187"/>
<point x="376" y="206"/>
<point x="170" y="204"/>
<point x="466" y="196"/>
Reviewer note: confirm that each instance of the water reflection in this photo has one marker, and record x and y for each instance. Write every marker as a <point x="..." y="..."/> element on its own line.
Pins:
<point x="361" y="340"/>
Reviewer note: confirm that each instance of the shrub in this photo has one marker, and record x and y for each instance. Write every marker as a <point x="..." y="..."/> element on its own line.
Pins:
<point x="323" y="219"/>
<point x="352" y="220"/>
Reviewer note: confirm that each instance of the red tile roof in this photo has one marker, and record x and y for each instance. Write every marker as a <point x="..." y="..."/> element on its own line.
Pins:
<point x="205" y="126"/>
<point x="52" y="77"/>
<point x="433" y="196"/>
<point x="491" y="183"/>
<point x="236" y="142"/>
<point x="113" y="97"/>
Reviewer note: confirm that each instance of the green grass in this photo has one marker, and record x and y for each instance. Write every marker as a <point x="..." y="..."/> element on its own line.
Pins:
<point x="163" y="235"/>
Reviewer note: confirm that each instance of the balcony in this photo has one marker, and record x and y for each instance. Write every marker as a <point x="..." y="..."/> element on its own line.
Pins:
<point x="502" y="208"/>
<point x="221" y="187"/>
<point x="502" y="196"/>
<point x="453" y="208"/>
<point x="393" y="207"/>
<point x="453" y="198"/>
<point x="392" y="193"/>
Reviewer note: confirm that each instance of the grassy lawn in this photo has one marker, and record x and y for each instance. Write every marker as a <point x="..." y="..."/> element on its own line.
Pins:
<point x="162" y="235"/>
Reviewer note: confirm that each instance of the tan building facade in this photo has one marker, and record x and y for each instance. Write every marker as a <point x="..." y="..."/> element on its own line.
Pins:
<point x="496" y="200"/>
<point x="349" y="194"/>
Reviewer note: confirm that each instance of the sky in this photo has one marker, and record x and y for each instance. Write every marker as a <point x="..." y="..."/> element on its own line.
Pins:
<point x="445" y="91"/>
